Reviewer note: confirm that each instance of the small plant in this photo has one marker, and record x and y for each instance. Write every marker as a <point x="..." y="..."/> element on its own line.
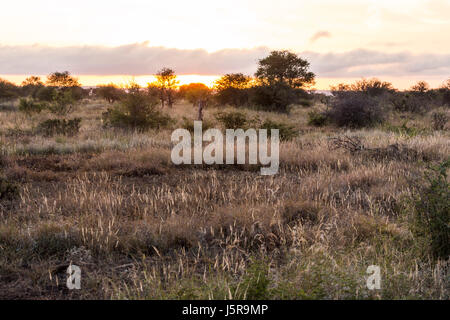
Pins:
<point x="29" y="106"/>
<point x="317" y="119"/>
<point x="64" y="127"/>
<point x="286" y="132"/>
<point x="256" y="281"/>
<point x="432" y="211"/>
<point x="439" y="120"/>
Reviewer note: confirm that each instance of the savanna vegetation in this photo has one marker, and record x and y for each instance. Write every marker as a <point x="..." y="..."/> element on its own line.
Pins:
<point x="86" y="178"/>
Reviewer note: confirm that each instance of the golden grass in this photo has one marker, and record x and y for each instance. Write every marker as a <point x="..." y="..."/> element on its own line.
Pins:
<point x="112" y="202"/>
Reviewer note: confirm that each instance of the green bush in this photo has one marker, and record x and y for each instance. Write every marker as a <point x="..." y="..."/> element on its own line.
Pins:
<point x="404" y="130"/>
<point x="432" y="211"/>
<point x="65" y="127"/>
<point x="188" y="124"/>
<point x="30" y="106"/>
<point x="256" y="281"/>
<point x="63" y="102"/>
<point x="317" y="119"/>
<point x="286" y="132"/>
<point x="136" y="110"/>
<point x="234" y="120"/>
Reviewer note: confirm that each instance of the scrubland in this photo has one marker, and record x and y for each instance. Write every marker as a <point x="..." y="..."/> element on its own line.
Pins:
<point x="112" y="202"/>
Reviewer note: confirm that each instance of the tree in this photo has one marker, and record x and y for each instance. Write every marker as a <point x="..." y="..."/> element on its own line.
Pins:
<point x="284" y="67"/>
<point x="109" y="92"/>
<point x="420" y="87"/>
<point x="232" y="89"/>
<point x="193" y="92"/>
<point x="8" y="90"/>
<point x="31" y="85"/>
<point x="282" y="77"/>
<point x="62" y="80"/>
<point x="372" y="87"/>
<point x="166" y="81"/>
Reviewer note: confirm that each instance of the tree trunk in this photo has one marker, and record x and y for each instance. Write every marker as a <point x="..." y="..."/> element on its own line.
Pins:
<point x="201" y="104"/>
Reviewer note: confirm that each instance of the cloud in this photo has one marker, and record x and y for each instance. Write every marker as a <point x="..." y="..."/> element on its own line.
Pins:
<point x="133" y="59"/>
<point x="141" y="59"/>
<point x="318" y="35"/>
<point x="371" y="63"/>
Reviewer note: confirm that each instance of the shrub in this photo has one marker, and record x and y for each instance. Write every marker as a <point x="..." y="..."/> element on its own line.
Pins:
<point x="286" y="132"/>
<point x="256" y="281"/>
<point x="30" y="106"/>
<point x="65" y="127"/>
<point x="136" y="110"/>
<point x="234" y="120"/>
<point x="188" y="124"/>
<point x="63" y="102"/>
<point x="8" y="190"/>
<point x="355" y="110"/>
<point x="45" y="94"/>
<point x="432" y="211"/>
<point x="409" y="102"/>
<point x="439" y="120"/>
<point x="317" y="119"/>
<point x="405" y="130"/>
<point x="109" y="92"/>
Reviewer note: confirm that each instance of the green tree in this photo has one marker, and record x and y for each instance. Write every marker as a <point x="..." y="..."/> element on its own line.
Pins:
<point x="284" y="67"/>
<point x="282" y="78"/>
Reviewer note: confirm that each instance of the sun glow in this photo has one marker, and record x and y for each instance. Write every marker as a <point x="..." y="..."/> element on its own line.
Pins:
<point x="122" y="80"/>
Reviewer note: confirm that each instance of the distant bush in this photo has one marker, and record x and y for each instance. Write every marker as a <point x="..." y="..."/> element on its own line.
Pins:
<point x="188" y="124"/>
<point x="136" y="110"/>
<point x="410" y="102"/>
<point x="63" y="102"/>
<point x="286" y="132"/>
<point x="30" y="106"/>
<point x="65" y="127"/>
<point x="45" y="94"/>
<point x="317" y="119"/>
<point x="109" y="92"/>
<point x="432" y="211"/>
<point x="234" y="120"/>
<point x="355" y="110"/>
<point x="439" y="120"/>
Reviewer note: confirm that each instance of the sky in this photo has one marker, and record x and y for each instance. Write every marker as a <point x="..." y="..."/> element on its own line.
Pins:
<point x="102" y="41"/>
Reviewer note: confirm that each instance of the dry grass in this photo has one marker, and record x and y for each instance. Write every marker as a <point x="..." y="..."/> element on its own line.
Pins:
<point x="139" y="227"/>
